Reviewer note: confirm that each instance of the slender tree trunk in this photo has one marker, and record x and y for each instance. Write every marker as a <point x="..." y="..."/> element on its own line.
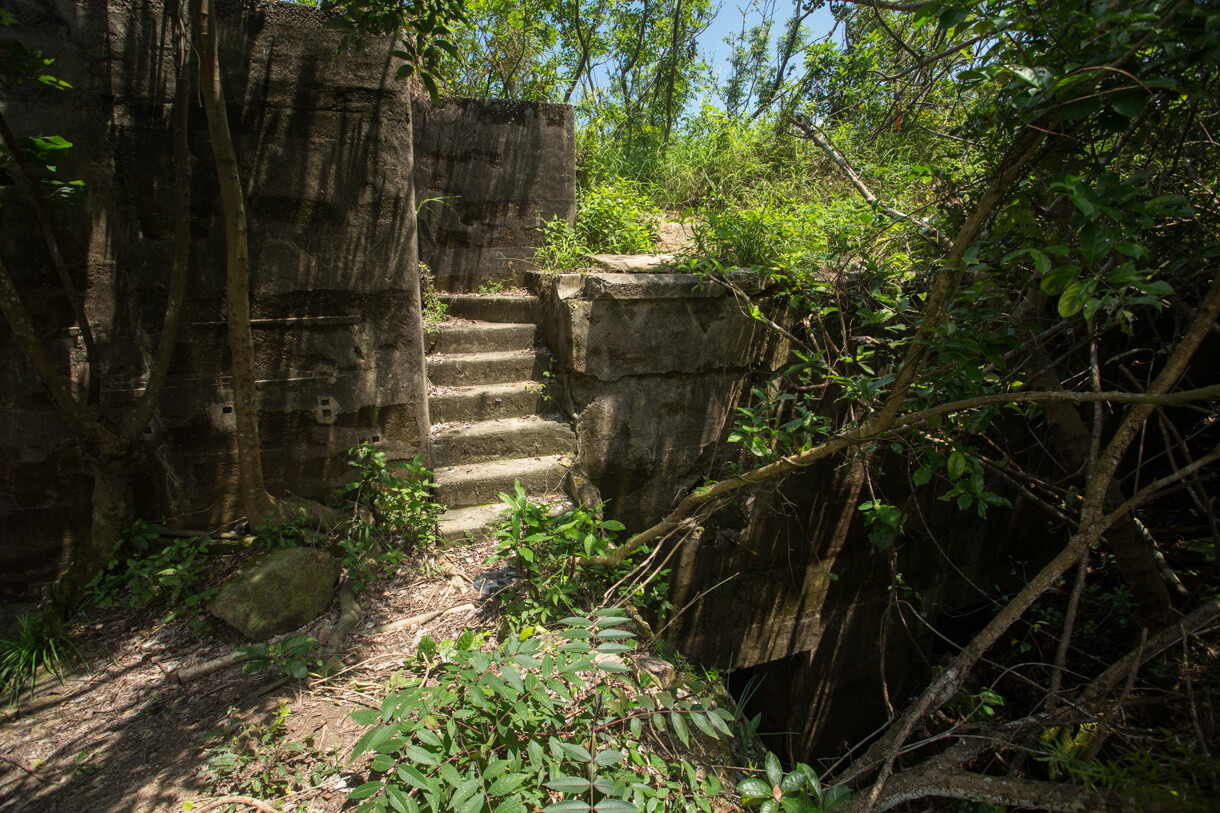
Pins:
<point x="113" y="513"/>
<point x="258" y="503"/>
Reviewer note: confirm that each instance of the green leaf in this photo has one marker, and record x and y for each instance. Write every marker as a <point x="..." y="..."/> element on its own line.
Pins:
<point x="753" y="788"/>
<point x="775" y="773"/>
<point x="420" y="755"/>
<point x="366" y="790"/>
<point x="1129" y="103"/>
<point x="1096" y="240"/>
<point x="1074" y="297"/>
<point x="413" y="777"/>
<point x="792" y="782"/>
<point x="575" y="646"/>
<point x="398" y="800"/>
<point x="568" y="784"/>
<point x="1052" y="284"/>
<point x="956" y="466"/>
<point x="679" y="724"/>
<point x="450" y="774"/>
<point x="613" y="648"/>
<point x="511" y="805"/>
<point x="701" y="723"/>
<point x="607" y="635"/>
<point x="611" y="805"/>
<point x="609" y="757"/>
<point x="507" y="783"/>
<point x="1041" y="261"/>
<point x="576" y="752"/>
<point x="372" y="739"/>
<point x="568" y="806"/>
<point x="719" y="723"/>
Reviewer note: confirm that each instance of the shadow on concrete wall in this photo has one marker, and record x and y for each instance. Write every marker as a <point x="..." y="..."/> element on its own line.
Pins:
<point x="325" y="152"/>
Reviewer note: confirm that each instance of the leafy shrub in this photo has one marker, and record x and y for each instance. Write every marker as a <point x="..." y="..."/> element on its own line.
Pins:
<point x="293" y="656"/>
<point x="797" y="791"/>
<point x="616" y="218"/>
<point x="398" y="494"/>
<point x="399" y="497"/>
<point x="434" y="309"/>
<point x="171" y="573"/>
<point x="544" y="547"/>
<point x="562" y="250"/>
<point x="38" y="645"/>
<point x="535" y="723"/>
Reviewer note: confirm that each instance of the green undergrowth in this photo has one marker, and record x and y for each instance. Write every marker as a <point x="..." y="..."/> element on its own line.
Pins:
<point x="553" y="721"/>
<point x="259" y="760"/>
<point x="544" y="548"/>
<point x="392" y="512"/>
<point x="616" y="217"/>
<point x="36" y="646"/>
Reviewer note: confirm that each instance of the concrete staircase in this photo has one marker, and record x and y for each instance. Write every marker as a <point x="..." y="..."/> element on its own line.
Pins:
<point x="491" y="424"/>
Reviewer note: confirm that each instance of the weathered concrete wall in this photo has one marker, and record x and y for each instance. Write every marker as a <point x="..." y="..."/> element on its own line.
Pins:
<point x="488" y="174"/>
<point x="650" y="365"/>
<point x="325" y="151"/>
<point x="789" y="590"/>
<point x="781" y="583"/>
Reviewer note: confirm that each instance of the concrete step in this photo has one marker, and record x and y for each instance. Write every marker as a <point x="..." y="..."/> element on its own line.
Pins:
<point x="501" y="439"/>
<point x="481" y="337"/>
<point x="458" y="526"/>
<point x="464" y="525"/>
<point x="487" y="368"/>
<point x="493" y="307"/>
<point x="480" y="483"/>
<point x="486" y="402"/>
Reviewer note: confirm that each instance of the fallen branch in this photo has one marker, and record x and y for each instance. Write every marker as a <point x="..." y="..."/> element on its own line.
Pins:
<point x="810" y="131"/>
<point x="350" y="614"/>
<point x="19" y="764"/>
<point x="422" y="618"/>
<point x="206" y="668"/>
<point x="248" y="801"/>
<point x="1015" y="793"/>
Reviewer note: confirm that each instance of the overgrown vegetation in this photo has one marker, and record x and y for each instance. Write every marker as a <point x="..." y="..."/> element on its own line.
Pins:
<point x="260" y="761"/>
<point x="541" y="545"/>
<point x="611" y="218"/>
<point x="541" y="721"/>
<point x="992" y="234"/>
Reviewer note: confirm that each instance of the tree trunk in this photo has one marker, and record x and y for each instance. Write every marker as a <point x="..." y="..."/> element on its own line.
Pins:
<point x="113" y="513"/>
<point x="258" y="504"/>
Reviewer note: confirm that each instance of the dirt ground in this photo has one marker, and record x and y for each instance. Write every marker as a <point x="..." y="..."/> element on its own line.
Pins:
<point x="125" y="736"/>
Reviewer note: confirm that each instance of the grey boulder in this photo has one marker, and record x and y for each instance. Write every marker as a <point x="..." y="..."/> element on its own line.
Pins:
<point x="277" y="592"/>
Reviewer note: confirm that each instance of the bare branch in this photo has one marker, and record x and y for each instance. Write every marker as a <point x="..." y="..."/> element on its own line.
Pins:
<point x="811" y="132"/>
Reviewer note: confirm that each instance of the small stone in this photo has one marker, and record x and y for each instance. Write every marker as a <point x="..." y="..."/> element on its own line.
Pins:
<point x="661" y="671"/>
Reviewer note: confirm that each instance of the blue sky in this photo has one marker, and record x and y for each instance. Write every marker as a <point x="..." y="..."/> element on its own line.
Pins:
<point x="728" y="23"/>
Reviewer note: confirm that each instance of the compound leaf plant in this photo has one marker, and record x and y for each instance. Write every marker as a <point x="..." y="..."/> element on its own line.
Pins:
<point x="556" y="722"/>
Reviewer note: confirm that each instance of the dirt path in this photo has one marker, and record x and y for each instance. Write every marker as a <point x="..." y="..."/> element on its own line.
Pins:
<point x="125" y="737"/>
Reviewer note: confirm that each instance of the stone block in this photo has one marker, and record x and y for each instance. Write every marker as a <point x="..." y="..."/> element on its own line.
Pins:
<point x="277" y="592"/>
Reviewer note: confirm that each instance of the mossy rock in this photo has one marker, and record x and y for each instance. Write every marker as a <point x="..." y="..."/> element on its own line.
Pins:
<point x="277" y="592"/>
